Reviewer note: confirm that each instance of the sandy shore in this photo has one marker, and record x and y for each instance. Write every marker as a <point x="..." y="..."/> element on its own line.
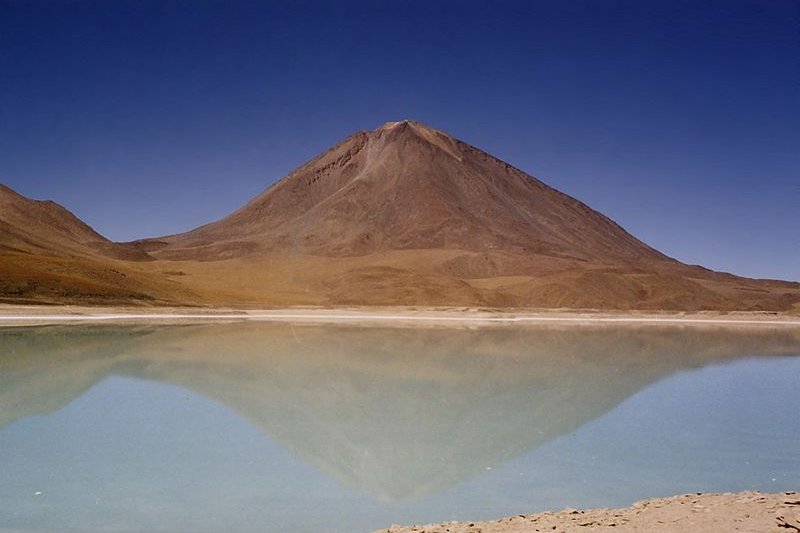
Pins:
<point x="704" y="513"/>
<point x="15" y="315"/>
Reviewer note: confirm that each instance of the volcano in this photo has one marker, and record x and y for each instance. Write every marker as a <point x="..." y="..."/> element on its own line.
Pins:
<point x="406" y="186"/>
<point x="408" y="215"/>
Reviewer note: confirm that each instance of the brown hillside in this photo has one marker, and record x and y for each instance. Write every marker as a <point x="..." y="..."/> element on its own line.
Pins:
<point x="407" y="186"/>
<point x="408" y="215"/>
<point x="37" y="226"/>
<point x="49" y="255"/>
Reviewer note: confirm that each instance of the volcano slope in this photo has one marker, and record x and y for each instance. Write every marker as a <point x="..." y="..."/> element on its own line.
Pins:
<point x="406" y="214"/>
<point x="402" y="215"/>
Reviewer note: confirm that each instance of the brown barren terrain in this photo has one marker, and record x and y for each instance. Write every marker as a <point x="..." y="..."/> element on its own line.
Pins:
<point x="753" y="512"/>
<point x="402" y="215"/>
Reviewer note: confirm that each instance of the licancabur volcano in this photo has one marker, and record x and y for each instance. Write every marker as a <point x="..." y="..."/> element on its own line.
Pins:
<point x="407" y="215"/>
<point x="406" y="186"/>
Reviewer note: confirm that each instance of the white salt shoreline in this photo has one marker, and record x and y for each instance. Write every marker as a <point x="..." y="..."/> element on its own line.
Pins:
<point x="19" y="315"/>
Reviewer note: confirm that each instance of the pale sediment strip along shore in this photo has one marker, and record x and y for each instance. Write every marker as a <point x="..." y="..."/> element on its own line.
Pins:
<point x="334" y="317"/>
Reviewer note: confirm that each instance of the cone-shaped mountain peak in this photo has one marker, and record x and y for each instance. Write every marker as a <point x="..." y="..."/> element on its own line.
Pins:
<point x="405" y="125"/>
<point x="403" y="186"/>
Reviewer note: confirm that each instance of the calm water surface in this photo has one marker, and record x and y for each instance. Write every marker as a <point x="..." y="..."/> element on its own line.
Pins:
<point x="275" y="427"/>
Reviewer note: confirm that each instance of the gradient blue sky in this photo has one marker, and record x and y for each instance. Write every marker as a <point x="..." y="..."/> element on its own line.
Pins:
<point x="677" y="119"/>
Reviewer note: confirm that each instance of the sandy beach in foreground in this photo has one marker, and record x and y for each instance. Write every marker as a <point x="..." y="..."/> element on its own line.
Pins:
<point x="698" y="513"/>
<point x="16" y="315"/>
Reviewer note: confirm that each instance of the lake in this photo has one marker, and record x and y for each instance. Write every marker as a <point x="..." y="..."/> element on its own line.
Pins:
<point x="299" y="428"/>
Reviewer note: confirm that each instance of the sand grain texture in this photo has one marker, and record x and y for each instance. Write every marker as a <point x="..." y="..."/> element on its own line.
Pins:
<point x="699" y="513"/>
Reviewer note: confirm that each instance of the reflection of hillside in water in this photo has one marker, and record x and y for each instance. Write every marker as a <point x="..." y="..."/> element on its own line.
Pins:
<point x="394" y="412"/>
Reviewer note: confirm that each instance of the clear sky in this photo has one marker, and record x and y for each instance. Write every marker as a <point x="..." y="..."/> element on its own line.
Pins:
<point x="678" y="119"/>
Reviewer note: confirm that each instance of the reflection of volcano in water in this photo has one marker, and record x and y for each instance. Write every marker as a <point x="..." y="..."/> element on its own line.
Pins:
<point x="396" y="413"/>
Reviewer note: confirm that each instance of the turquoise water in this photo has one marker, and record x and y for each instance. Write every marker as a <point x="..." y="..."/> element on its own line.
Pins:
<point x="270" y="427"/>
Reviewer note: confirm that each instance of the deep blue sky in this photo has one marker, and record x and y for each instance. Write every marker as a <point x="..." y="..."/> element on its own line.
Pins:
<point x="680" y="120"/>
